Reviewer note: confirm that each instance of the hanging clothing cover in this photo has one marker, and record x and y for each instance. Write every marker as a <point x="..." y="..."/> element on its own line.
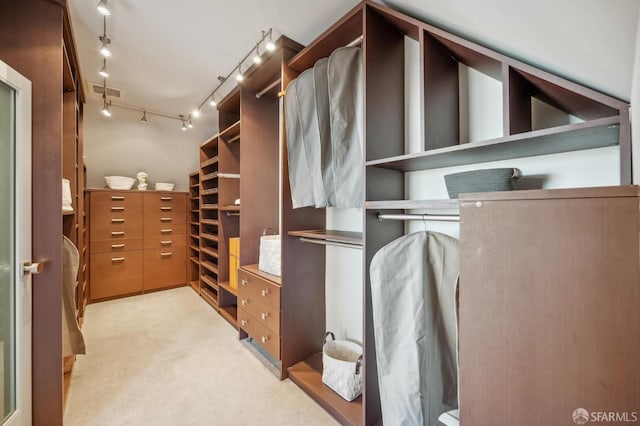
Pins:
<point x="324" y="121"/>
<point x="413" y="291"/>
<point x="72" y="339"/>
<point x="346" y="105"/>
<point x="310" y="132"/>
<point x="321" y="90"/>
<point x="301" y="185"/>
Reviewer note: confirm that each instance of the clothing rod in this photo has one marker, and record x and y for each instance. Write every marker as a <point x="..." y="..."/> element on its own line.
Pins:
<point x="233" y="214"/>
<point x="356" y="42"/>
<point x="330" y="243"/>
<point x="266" y="89"/>
<point x="423" y="217"/>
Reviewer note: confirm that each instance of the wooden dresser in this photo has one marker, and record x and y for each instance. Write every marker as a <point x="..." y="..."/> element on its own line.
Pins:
<point x="137" y="241"/>
<point x="259" y="308"/>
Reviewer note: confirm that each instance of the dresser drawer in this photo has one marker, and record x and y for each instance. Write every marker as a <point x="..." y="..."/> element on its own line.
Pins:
<point x="256" y="288"/>
<point x="165" y="231"/>
<point x="261" y="334"/>
<point x="165" y="217"/>
<point x="167" y="241"/>
<point x="165" y="203"/>
<point x="266" y="315"/>
<point x="111" y="246"/>
<point x="165" y="268"/>
<point x="116" y="274"/>
<point x="117" y="229"/>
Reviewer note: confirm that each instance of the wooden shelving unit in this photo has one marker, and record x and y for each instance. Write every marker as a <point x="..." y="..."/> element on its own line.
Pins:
<point x="308" y="375"/>
<point x="193" y="269"/>
<point x="208" y="222"/>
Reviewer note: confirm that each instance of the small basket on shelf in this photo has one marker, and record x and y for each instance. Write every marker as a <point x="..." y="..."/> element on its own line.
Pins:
<point x="485" y="180"/>
<point x="342" y="367"/>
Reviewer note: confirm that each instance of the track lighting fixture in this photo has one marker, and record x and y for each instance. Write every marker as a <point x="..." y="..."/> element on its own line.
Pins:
<point x="184" y="125"/>
<point x="103" y="8"/>
<point x="213" y="102"/>
<point x="106" y="41"/>
<point x="196" y="113"/>
<point x="103" y="71"/>
<point x="240" y="76"/>
<point x="189" y="123"/>
<point x="144" y="117"/>
<point x="270" y="46"/>
<point x="256" y="58"/>
<point x="105" y="108"/>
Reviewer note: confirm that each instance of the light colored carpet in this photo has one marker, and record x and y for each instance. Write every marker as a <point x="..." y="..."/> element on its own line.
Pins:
<point x="167" y="358"/>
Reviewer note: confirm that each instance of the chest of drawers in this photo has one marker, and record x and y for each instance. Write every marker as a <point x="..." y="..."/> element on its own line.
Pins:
<point x="137" y="241"/>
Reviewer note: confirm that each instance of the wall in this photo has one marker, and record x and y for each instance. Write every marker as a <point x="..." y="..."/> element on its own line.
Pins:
<point x="635" y="110"/>
<point x="121" y="145"/>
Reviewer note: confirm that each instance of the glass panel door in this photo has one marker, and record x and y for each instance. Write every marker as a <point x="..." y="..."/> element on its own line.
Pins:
<point x="8" y="274"/>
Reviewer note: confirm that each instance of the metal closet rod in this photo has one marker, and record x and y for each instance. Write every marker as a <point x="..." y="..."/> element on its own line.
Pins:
<point x="423" y="217"/>
<point x="330" y="243"/>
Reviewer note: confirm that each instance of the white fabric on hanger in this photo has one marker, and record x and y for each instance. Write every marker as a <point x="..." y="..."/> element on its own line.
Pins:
<point x="301" y="186"/>
<point x="321" y="89"/>
<point x="346" y="108"/>
<point x="310" y="132"/>
<point x="413" y="291"/>
<point x="72" y="339"/>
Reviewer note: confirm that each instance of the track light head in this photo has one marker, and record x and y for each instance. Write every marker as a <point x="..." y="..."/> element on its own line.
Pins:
<point x="104" y="50"/>
<point x="239" y="76"/>
<point x="189" y="123"/>
<point x="196" y="113"/>
<point x="144" y="117"/>
<point x="103" y="71"/>
<point x="257" y="59"/>
<point x="105" y="109"/>
<point x="213" y="102"/>
<point x="103" y="8"/>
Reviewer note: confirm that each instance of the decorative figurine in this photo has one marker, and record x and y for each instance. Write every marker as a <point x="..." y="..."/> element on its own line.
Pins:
<point x="142" y="181"/>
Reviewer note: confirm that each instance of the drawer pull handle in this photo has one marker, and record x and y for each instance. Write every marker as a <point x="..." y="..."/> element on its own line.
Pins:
<point x="165" y="219"/>
<point x="116" y="198"/>
<point x="117" y="233"/>
<point x="244" y="302"/>
<point x="115" y="246"/>
<point x="165" y="198"/>
<point x="117" y="259"/>
<point x="265" y="339"/>
<point x="166" y="231"/>
<point x="166" y="243"/>
<point x="117" y="209"/>
<point x="166" y="254"/>
<point x="117" y="220"/>
<point x="243" y="281"/>
<point x="165" y="209"/>
<point x="244" y="322"/>
<point x="264" y="315"/>
<point x="265" y="292"/>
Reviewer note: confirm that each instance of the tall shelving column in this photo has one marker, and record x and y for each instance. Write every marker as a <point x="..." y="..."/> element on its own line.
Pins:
<point x="193" y="213"/>
<point x="208" y="234"/>
<point x="229" y="185"/>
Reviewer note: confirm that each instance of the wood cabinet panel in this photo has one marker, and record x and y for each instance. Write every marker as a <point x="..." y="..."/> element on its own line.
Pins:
<point x="162" y="241"/>
<point x="111" y="246"/>
<point x="256" y="288"/>
<point x="164" y="268"/>
<point x="162" y="230"/>
<point x="116" y="274"/>
<point x="164" y="203"/>
<point x="265" y="337"/>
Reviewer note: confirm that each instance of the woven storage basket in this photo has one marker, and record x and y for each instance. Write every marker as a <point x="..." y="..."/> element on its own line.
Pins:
<point x="487" y="180"/>
<point x="269" y="258"/>
<point x="341" y="367"/>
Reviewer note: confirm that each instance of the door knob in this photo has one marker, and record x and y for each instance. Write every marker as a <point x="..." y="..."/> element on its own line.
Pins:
<point x="32" y="268"/>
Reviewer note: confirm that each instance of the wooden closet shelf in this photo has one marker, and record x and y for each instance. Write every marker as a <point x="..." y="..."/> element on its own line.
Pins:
<point x="230" y="313"/>
<point x="210" y="237"/>
<point x="231" y="133"/>
<point x="211" y="191"/>
<point x="194" y="247"/>
<point x="194" y="223"/>
<point x="209" y="176"/>
<point x="209" y="296"/>
<point x="195" y="236"/>
<point x="226" y="287"/>
<point x="210" y="281"/>
<point x="73" y="213"/>
<point x="571" y="137"/>
<point x="230" y="208"/>
<point x="308" y="375"/>
<point x="209" y="251"/>
<point x="209" y="207"/>
<point x="412" y="204"/>
<point x="348" y="237"/>
<point x="211" y="161"/>
<point x="209" y="222"/>
<point x="194" y="260"/>
<point x="210" y="266"/>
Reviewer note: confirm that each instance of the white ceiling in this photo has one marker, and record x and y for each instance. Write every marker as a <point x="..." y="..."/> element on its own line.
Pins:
<point x="167" y="54"/>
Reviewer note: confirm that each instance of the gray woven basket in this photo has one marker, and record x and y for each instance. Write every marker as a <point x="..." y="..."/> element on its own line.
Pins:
<point x="487" y="180"/>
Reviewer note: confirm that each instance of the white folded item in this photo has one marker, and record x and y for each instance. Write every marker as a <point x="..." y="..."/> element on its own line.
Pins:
<point x="164" y="186"/>
<point x="66" y="196"/>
